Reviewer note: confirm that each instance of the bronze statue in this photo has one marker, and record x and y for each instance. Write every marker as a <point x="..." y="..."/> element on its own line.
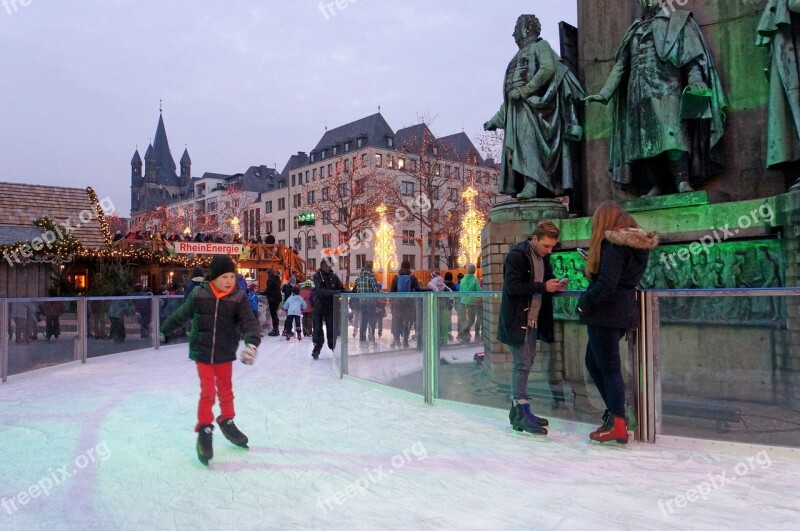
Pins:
<point x="780" y="30"/>
<point x="669" y="107"/>
<point x="539" y="116"/>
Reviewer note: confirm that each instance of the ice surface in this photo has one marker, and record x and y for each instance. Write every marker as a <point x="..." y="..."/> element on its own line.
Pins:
<point x="113" y="443"/>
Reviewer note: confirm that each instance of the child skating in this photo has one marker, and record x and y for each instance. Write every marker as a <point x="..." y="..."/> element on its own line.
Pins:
<point x="294" y="307"/>
<point x="219" y="312"/>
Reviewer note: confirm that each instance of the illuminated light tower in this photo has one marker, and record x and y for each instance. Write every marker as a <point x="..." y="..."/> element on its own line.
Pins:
<point x="471" y="227"/>
<point x="235" y="225"/>
<point x="385" y="254"/>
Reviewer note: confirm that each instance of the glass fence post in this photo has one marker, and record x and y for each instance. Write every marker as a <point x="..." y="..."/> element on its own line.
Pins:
<point x="4" y="341"/>
<point x="343" y="335"/>
<point x="82" y="327"/>
<point x="430" y="342"/>
<point x="155" y="323"/>
<point x="645" y="377"/>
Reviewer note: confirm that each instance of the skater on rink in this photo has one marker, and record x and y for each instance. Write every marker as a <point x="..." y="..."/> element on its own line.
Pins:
<point x="295" y="305"/>
<point x="219" y="311"/>
<point x="618" y="254"/>
<point x="526" y="315"/>
<point x="328" y="286"/>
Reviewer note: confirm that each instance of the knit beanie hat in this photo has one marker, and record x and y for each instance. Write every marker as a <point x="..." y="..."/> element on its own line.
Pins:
<point x="220" y="264"/>
<point x="198" y="272"/>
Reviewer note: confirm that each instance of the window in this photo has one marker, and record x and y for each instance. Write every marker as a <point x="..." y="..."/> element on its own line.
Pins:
<point x="313" y="157"/>
<point x="297" y="200"/>
<point x="330" y="170"/>
<point x="312" y="263"/>
<point x="324" y="154"/>
<point x="437" y="170"/>
<point x="306" y="175"/>
<point x="326" y="194"/>
<point x="447" y="170"/>
<point x="344" y="262"/>
<point x="310" y="198"/>
<point x="334" y="150"/>
<point x="326" y="217"/>
<point x="343" y="191"/>
<point x="342" y="238"/>
<point x="408" y="237"/>
<point x="326" y="240"/>
<point x="346" y="147"/>
<point x="401" y="163"/>
<point x="361" y="261"/>
<point x="363" y="159"/>
<point x="268" y="207"/>
<point x="281" y="225"/>
<point x="454" y="195"/>
<point x="281" y="204"/>
<point x="298" y="243"/>
<point x="268" y="226"/>
<point x="411" y="259"/>
<point x="314" y="174"/>
<point x="435" y="151"/>
<point x="295" y="224"/>
<point x="407" y="188"/>
<point x="358" y="187"/>
<point x="390" y="161"/>
<point x="344" y="215"/>
<point x="311" y="242"/>
<point x="378" y="160"/>
<point x="346" y="164"/>
<point x="294" y="183"/>
<point x="322" y="172"/>
<point x="389" y="141"/>
<point x="359" y="142"/>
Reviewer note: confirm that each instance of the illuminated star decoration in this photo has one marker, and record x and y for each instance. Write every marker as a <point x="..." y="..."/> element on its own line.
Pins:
<point x="471" y="227"/>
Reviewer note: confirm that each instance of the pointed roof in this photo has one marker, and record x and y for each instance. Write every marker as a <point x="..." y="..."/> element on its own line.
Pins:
<point x="410" y="139"/>
<point x="161" y="147"/>
<point x="373" y="130"/>
<point x="136" y="160"/>
<point x="150" y="154"/>
<point x="185" y="160"/>
<point x="460" y="147"/>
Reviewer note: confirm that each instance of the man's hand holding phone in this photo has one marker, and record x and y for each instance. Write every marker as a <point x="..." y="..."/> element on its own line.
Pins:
<point x="555" y="284"/>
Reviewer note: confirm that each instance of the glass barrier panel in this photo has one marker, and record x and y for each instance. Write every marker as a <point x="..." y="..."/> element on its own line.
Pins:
<point x="384" y="343"/>
<point x="118" y="324"/>
<point x="475" y="368"/>
<point x="167" y="305"/>
<point x="41" y="333"/>
<point x="729" y="369"/>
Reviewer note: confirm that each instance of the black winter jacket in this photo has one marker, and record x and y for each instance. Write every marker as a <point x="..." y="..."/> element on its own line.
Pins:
<point x="518" y="288"/>
<point x="216" y="324"/>
<point x="327" y="286"/>
<point x="273" y="291"/>
<point x="610" y="299"/>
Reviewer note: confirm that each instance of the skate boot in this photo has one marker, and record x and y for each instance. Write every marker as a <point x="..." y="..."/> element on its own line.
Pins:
<point x="232" y="433"/>
<point x="526" y="422"/>
<point x="299" y="335"/>
<point x="615" y="430"/>
<point x="205" y="450"/>
<point x="512" y="415"/>
<point x="316" y="351"/>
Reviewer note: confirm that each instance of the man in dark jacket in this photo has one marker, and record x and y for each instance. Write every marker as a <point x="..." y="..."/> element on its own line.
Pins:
<point x="274" y="297"/>
<point x="526" y="314"/>
<point x="328" y="286"/>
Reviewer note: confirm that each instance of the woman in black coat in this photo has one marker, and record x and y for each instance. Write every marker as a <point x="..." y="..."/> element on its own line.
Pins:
<point x="618" y="255"/>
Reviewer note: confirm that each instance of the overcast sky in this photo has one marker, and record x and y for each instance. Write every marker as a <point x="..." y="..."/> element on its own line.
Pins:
<point x="244" y="82"/>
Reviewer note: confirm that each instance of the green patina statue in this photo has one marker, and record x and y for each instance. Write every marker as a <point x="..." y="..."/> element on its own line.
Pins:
<point x="668" y="104"/>
<point x="539" y="116"/>
<point x="780" y="30"/>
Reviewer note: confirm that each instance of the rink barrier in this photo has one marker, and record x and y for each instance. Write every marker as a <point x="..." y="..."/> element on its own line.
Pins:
<point x="644" y="351"/>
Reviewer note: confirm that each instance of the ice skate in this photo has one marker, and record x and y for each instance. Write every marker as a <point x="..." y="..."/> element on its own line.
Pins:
<point x="232" y="433"/>
<point x="526" y="421"/>
<point x="205" y="449"/>
<point x="299" y="335"/>
<point x="615" y="429"/>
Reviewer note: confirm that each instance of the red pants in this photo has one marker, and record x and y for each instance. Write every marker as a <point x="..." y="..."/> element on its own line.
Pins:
<point x="215" y="381"/>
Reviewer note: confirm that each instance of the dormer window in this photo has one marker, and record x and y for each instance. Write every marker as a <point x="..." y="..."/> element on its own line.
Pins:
<point x="346" y="147"/>
<point x="313" y="156"/>
<point x="359" y="142"/>
<point x="324" y="153"/>
<point x="334" y="150"/>
<point x="389" y="141"/>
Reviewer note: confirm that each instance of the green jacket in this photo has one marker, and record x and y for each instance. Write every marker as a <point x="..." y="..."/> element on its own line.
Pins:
<point x="469" y="283"/>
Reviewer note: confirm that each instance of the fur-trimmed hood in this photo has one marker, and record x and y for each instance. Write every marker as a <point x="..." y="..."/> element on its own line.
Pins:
<point x="635" y="238"/>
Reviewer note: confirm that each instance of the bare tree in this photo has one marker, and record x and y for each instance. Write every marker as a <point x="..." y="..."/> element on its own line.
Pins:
<point x="347" y="201"/>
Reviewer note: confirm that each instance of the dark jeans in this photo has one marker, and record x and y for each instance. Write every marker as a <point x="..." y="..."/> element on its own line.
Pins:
<point x="273" y="314"/>
<point x="604" y="366"/>
<point x="522" y="356"/>
<point x="53" y="327"/>
<point x="330" y="326"/>
<point x="367" y="321"/>
<point x="287" y="328"/>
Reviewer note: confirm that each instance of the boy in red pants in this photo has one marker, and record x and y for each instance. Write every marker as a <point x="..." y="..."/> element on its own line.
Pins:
<point x="219" y="311"/>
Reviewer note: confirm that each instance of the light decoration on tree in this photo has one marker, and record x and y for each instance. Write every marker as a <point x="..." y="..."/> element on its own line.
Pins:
<point x="385" y="253"/>
<point x="471" y="227"/>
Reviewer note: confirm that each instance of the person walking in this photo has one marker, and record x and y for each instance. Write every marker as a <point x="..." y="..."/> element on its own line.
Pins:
<point x="328" y="286"/>
<point x="366" y="283"/>
<point x="307" y="292"/>
<point x="469" y="305"/>
<point x="618" y="254"/>
<point x="526" y="315"/>
<point x="274" y="299"/>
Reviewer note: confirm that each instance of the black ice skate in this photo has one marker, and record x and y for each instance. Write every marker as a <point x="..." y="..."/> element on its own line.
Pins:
<point x="232" y="433"/>
<point x="526" y="421"/>
<point x="205" y="450"/>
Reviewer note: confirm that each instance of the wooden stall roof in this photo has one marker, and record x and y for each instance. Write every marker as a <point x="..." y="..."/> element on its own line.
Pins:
<point x="25" y="203"/>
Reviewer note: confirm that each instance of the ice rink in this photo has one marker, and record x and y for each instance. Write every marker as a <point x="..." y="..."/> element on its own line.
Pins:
<point x="110" y="445"/>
